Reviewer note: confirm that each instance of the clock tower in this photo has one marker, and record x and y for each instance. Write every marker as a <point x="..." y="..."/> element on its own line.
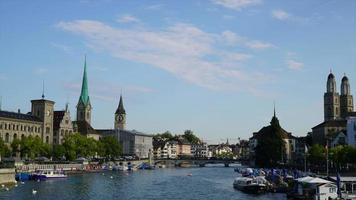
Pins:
<point x="120" y="116"/>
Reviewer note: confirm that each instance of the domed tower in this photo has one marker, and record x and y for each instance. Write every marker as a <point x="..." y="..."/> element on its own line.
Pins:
<point x="346" y="99"/>
<point x="331" y="100"/>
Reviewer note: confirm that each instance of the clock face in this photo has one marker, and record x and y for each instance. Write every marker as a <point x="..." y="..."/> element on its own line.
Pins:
<point x="121" y="117"/>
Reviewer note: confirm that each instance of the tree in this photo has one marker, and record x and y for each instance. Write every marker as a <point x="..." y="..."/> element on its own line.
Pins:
<point x="76" y="145"/>
<point x="189" y="135"/>
<point x="4" y="149"/>
<point x="110" y="147"/>
<point x="316" y="154"/>
<point x="58" y="152"/>
<point x="15" y="146"/>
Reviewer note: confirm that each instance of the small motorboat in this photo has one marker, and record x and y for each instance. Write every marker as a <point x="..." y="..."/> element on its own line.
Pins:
<point x="250" y="185"/>
<point x="48" y="174"/>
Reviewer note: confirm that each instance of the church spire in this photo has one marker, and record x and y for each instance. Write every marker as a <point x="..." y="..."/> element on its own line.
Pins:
<point x="84" y="95"/>
<point x="120" y="109"/>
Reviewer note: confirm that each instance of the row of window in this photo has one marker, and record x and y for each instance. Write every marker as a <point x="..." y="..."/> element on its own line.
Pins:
<point x="20" y="127"/>
<point x="63" y="133"/>
<point x="7" y="138"/>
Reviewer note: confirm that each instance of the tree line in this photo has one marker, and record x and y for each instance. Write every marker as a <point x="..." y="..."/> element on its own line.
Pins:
<point x="74" y="146"/>
<point x="160" y="139"/>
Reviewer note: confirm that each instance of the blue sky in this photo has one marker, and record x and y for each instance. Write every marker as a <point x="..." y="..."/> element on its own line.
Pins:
<point x="214" y="67"/>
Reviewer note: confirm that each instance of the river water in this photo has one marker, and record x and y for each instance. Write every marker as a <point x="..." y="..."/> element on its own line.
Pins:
<point x="173" y="183"/>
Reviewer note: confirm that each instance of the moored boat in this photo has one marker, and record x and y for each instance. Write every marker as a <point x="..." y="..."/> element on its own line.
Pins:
<point x="250" y="185"/>
<point x="48" y="174"/>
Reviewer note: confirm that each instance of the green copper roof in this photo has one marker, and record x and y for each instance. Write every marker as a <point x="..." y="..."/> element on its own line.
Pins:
<point x="120" y="109"/>
<point x="84" y="95"/>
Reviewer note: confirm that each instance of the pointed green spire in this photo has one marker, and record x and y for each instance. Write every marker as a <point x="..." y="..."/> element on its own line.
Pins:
<point x="84" y="95"/>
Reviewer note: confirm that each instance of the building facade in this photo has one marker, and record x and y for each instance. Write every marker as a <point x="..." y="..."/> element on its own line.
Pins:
<point x="199" y="150"/>
<point x="351" y="130"/>
<point x="18" y="125"/>
<point x="62" y="125"/>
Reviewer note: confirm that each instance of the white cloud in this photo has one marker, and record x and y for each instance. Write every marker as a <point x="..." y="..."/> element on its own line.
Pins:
<point x="237" y="4"/>
<point x="182" y="49"/>
<point x="255" y="44"/>
<point x="280" y="15"/>
<point x="231" y="38"/>
<point x="294" y="65"/>
<point x="127" y="19"/>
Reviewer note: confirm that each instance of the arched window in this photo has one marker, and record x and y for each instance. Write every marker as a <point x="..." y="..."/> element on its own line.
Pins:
<point x="22" y="136"/>
<point x="47" y="130"/>
<point x="66" y="133"/>
<point x="17" y="127"/>
<point x="70" y="132"/>
<point x="47" y="139"/>
<point x="15" y="136"/>
<point x="62" y="132"/>
<point x="7" y="137"/>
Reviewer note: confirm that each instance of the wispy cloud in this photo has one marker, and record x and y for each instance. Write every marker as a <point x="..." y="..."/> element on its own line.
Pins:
<point x="237" y="4"/>
<point x="154" y="7"/>
<point x="63" y="47"/>
<point x="295" y="65"/>
<point x="280" y="15"/>
<point x="232" y="38"/>
<point x="182" y="49"/>
<point x="107" y="91"/>
<point x="127" y="19"/>
<point x="283" y="15"/>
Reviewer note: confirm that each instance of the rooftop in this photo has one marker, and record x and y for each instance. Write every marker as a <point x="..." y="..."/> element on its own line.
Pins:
<point x="20" y="116"/>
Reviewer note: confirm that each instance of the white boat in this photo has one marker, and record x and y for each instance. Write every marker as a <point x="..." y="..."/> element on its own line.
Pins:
<point x="49" y="174"/>
<point x="256" y="185"/>
<point x="120" y="168"/>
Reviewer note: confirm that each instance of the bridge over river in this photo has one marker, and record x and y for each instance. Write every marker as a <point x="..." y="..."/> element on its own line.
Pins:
<point x="196" y="162"/>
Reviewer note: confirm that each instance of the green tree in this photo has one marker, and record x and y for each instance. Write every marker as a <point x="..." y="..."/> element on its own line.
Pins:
<point x="15" y="146"/>
<point x="316" y="154"/>
<point x="189" y="135"/>
<point x="58" y="152"/>
<point x="110" y="147"/>
<point x="4" y="149"/>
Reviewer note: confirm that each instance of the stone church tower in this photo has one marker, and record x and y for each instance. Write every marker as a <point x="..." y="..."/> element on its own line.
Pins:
<point x="43" y="109"/>
<point x="346" y="99"/>
<point x="84" y="106"/>
<point x="331" y="100"/>
<point x="120" y="116"/>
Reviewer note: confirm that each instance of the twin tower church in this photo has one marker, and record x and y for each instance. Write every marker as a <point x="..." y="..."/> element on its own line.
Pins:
<point x="337" y="106"/>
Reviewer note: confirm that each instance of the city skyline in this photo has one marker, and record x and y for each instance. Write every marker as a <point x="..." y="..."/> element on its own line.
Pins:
<point x="225" y="63"/>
